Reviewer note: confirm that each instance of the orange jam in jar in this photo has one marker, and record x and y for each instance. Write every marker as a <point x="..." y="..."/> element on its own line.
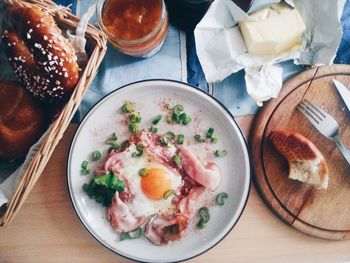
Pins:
<point x="135" y="27"/>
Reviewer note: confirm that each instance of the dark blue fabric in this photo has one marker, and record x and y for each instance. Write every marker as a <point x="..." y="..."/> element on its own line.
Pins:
<point x="343" y="54"/>
<point x="195" y="75"/>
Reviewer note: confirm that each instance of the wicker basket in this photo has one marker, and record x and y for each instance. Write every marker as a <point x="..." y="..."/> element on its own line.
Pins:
<point x="96" y="44"/>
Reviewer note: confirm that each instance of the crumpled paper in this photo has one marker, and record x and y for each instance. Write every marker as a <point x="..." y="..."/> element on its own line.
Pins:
<point x="222" y="51"/>
<point x="9" y="185"/>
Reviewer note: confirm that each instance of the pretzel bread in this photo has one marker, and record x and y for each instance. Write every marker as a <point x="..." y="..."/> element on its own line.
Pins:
<point x="42" y="58"/>
<point x="306" y="162"/>
<point x="21" y="120"/>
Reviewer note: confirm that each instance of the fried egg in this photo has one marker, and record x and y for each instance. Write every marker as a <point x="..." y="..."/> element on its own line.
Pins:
<point x="148" y="190"/>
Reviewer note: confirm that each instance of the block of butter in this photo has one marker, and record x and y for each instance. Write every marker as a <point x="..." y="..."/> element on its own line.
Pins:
<point x="273" y="30"/>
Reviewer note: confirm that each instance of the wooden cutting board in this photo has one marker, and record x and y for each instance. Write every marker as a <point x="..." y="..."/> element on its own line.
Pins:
<point x="320" y="213"/>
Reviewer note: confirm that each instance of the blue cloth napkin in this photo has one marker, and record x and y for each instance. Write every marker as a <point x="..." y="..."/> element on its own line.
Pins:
<point x="118" y="69"/>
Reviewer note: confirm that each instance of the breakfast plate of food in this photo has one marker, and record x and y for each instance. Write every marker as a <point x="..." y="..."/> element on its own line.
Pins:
<point x="158" y="171"/>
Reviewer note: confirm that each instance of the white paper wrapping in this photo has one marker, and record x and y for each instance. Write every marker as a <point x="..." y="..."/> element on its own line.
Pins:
<point x="222" y="51"/>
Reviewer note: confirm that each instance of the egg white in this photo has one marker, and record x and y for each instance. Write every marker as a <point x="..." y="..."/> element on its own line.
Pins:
<point x="141" y="205"/>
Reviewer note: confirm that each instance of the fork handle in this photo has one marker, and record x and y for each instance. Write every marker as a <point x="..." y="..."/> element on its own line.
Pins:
<point x="345" y="152"/>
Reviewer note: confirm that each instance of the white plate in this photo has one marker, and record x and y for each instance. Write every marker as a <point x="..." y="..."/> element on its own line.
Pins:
<point x="105" y="118"/>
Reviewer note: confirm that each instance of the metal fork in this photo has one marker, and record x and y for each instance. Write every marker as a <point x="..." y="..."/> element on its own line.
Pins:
<point x="324" y="123"/>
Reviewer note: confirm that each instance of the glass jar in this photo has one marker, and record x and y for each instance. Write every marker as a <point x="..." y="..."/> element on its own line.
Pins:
<point x="135" y="27"/>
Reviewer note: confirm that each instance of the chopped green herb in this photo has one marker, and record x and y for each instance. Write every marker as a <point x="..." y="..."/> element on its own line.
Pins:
<point x="124" y="236"/>
<point x="204" y="215"/>
<point x="169" y="193"/>
<point x="169" y="119"/>
<point x="210" y="133"/>
<point x="214" y="139"/>
<point x="135" y="117"/>
<point x="110" y="181"/>
<point x="132" y="234"/>
<point x="153" y="129"/>
<point x="157" y="119"/>
<point x="84" y="168"/>
<point x="139" y="150"/>
<point x="220" y="153"/>
<point x="84" y="165"/>
<point x="113" y="141"/>
<point x="221" y="198"/>
<point x="178" y="108"/>
<point x="166" y="138"/>
<point x="199" y="138"/>
<point x="103" y="188"/>
<point x="143" y="172"/>
<point x="133" y="128"/>
<point x="176" y="117"/>
<point x="96" y="155"/>
<point x="177" y="159"/>
<point x="85" y="171"/>
<point x="181" y="139"/>
<point x="201" y="224"/>
<point x="140" y="147"/>
<point x="135" y="233"/>
<point x="187" y="120"/>
<point x="127" y="107"/>
<point x="182" y="116"/>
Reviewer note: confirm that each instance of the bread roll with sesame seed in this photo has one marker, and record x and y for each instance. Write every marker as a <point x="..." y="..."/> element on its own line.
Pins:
<point x="41" y="56"/>
<point x="21" y="120"/>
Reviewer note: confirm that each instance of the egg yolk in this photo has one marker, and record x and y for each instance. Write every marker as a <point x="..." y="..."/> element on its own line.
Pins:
<point x="155" y="183"/>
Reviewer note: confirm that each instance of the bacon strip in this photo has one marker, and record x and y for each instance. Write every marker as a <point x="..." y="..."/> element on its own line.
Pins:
<point x="115" y="161"/>
<point x="207" y="175"/>
<point x="158" y="228"/>
<point x="157" y="151"/>
<point x="122" y="220"/>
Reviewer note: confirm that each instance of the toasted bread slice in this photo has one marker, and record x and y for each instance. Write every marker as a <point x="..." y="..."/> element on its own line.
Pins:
<point x="306" y="162"/>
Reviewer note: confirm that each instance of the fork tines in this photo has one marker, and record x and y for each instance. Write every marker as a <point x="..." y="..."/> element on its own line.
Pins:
<point x="310" y="111"/>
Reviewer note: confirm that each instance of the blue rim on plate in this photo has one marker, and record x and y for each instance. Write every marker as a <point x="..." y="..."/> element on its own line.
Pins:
<point x="246" y="148"/>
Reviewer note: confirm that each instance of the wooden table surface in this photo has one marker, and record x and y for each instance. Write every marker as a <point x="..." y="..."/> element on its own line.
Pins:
<point x="47" y="229"/>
